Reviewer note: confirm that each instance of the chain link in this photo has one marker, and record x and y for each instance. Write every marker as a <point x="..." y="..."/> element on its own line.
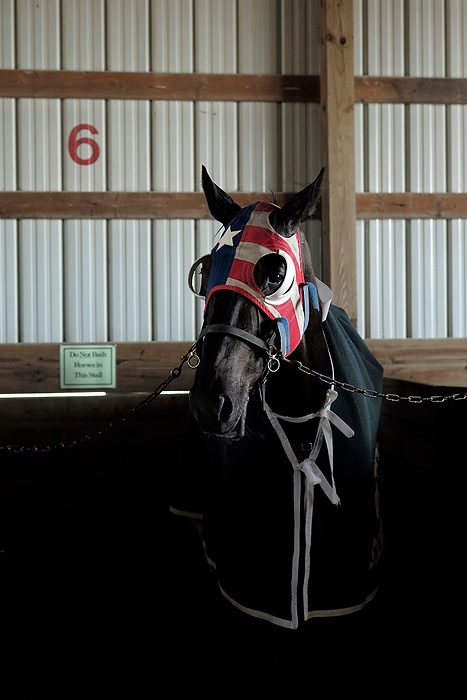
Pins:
<point x="370" y="393"/>
<point x="193" y="360"/>
<point x="174" y="374"/>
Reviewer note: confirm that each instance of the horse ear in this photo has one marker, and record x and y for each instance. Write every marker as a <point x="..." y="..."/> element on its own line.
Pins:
<point x="300" y="208"/>
<point x="221" y="205"/>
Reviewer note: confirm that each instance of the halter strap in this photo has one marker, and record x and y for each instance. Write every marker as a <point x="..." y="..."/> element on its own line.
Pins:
<point x="237" y="333"/>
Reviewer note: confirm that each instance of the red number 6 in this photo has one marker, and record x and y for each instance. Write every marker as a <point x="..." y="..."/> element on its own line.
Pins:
<point x="73" y="144"/>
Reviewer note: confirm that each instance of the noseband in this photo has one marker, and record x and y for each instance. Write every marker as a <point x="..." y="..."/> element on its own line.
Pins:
<point x="270" y="350"/>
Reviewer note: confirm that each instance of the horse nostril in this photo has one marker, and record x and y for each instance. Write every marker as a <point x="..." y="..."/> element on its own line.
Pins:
<point x="225" y="407"/>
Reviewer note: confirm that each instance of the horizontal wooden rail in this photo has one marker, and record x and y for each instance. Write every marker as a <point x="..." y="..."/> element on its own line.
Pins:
<point x="111" y="85"/>
<point x="63" y="84"/>
<point x="192" y="205"/>
<point x="116" y="205"/>
<point x="411" y="205"/>
<point x="406" y="90"/>
<point x="436" y="362"/>
<point x="141" y="367"/>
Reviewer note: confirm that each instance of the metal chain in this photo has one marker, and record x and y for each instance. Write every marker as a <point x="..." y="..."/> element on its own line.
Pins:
<point x="192" y="359"/>
<point x="369" y="393"/>
<point x="174" y="374"/>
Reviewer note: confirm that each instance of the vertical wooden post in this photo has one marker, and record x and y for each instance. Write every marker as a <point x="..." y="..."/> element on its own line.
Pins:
<point x="337" y="152"/>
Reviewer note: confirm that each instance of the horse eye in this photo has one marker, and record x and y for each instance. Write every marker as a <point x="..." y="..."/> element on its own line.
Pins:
<point x="276" y="279"/>
<point x="270" y="273"/>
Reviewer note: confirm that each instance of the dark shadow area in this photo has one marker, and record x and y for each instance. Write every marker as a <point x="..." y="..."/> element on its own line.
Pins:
<point x="103" y="590"/>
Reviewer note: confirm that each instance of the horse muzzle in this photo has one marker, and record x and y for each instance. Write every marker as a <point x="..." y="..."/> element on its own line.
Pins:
<point x="224" y="378"/>
<point x="219" y="414"/>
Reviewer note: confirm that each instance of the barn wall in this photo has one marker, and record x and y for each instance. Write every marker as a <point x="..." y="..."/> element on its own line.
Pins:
<point x="97" y="280"/>
<point x="412" y="275"/>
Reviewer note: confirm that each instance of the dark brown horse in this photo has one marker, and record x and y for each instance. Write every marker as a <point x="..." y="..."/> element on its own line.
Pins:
<point x="278" y="466"/>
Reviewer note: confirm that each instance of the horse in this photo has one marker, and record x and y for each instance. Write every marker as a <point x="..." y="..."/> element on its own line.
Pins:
<point x="277" y="466"/>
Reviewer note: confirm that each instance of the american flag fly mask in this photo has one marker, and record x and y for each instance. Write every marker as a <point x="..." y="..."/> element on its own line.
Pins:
<point x="248" y="238"/>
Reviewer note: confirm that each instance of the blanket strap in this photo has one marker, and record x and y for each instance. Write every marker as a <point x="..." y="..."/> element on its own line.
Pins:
<point x="309" y="468"/>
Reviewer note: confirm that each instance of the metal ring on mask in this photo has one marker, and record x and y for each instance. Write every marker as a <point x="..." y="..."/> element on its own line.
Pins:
<point x="191" y="273"/>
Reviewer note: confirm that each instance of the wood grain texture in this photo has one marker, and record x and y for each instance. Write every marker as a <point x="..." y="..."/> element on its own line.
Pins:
<point x="405" y="90"/>
<point x="158" y="86"/>
<point x="192" y="205"/>
<point x="117" y="205"/>
<point x="337" y="153"/>
<point x="141" y="367"/>
<point x="411" y="205"/>
<point x="435" y="362"/>
<point x="61" y="84"/>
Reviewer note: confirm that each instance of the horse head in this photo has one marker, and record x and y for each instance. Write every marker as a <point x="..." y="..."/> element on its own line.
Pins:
<point x="261" y="293"/>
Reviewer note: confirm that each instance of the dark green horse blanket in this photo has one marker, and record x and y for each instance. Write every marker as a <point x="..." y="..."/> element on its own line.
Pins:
<point x="290" y="539"/>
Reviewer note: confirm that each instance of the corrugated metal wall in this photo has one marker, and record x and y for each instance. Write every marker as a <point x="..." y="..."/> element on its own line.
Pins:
<point x="9" y="302"/>
<point x="412" y="276"/>
<point x="92" y="281"/>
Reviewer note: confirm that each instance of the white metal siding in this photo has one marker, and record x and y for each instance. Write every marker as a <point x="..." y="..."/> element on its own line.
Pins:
<point x="411" y="274"/>
<point x="40" y="248"/>
<point x="126" y="280"/>
<point x="380" y="167"/>
<point x="128" y="157"/>
<point x="173" y="162"/>
<point x="85" y="242"/>
<point x="456" y="25"/>
<point x="427" y="153"/>
<point x="9" y="301"/>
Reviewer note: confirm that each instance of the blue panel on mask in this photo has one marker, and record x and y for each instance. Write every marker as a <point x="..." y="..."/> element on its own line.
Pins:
<point x="314" y="295"/>
<point x="283" y="328"/>
<point x="306" y="305"/>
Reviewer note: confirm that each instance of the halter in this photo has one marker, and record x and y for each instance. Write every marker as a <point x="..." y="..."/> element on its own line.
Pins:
<point x="247" y="239"/>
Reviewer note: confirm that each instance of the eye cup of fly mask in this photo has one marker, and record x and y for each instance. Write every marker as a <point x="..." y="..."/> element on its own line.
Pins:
<point x="271" y="265"/>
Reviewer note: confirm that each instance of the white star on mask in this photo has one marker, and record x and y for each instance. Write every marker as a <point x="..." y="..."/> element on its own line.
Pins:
<point x="227" y="238"/>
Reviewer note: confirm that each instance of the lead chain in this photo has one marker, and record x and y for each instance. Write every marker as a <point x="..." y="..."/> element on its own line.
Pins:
<point x="192" y="359"/>
<point x="371" y="393"/>
<point x="174" y="374"/>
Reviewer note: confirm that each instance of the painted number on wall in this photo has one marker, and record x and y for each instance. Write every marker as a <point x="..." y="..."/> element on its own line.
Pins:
<point x="74" y="143"/>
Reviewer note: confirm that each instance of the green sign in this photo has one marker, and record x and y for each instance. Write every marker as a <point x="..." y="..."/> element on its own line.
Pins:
<point x="88" y="366"/>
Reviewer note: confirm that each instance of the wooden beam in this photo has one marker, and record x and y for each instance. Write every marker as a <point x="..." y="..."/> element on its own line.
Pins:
<point x="141" y="367"/>
<point x="116" y="205"/>
<point x="419" y="350"/>
<point x="192" y="205"/>
<point x="407" y="90"/>
<point x="212" y="86"/>
<point x="158" y="86"/>
<point x="435" y="362"/>
<point x="411" y="205"/>
<point x="337" y="153"/>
